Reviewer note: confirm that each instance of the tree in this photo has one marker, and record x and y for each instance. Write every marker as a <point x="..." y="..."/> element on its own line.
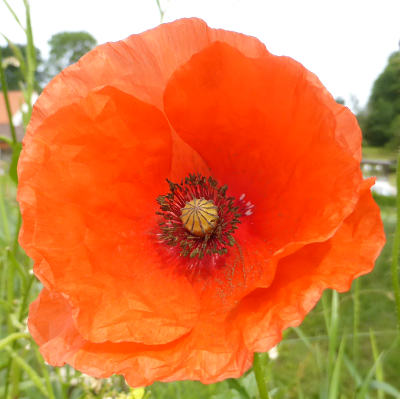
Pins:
<point x="13" y="73"/>
<point x="340" y="100"/>
<point x="381" y="120"/>
<point x="66" y="48"/>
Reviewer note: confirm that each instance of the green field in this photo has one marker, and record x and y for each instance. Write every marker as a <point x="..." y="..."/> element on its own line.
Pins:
<point x="379" y="153"/>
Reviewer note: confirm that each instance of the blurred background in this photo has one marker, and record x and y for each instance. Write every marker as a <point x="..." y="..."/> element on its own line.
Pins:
<point x="346" y="346"/>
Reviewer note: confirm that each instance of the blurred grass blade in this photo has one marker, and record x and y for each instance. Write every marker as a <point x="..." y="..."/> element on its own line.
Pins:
<point x="17" y="53"/>
<point x="303" y="338"/>
<point x="13" y="14"/>
<point x="31" y="61"/>
<point x="16" y="151"/>
<point x="10" y="295"/>
<point x="18" y="267"/>
<point x="387" y="388"/>
<point x="333" y="332"/>
<point x="45" y="373"/>
<point x="6" y="139"/>
<point x="260" y="372"/>
<point x="300" y="394"/>
<point x="17" y="228"/>
<point x="160" y="10"/>
<point x="15" y="322"/>
<point x="16" y="147"/>
<point x="11" y="338"/>
<point x="3" y="212"/>
<point x="379" y="366"/>
<point x="395" y="252"/>
<point x="325" y="308"/>
<point x="4" y="304"/>
<point x="29" y="35"/>
<point x="6" y="99"/>
<point x="29" y="370"/>
<point x="367" y="381"/>
<point x="307" y="343"/>
<point x="356" y="319"/>
<point x="335" y="381"/>
<point x="352" y="371"/>
<point x="234" y="384"/>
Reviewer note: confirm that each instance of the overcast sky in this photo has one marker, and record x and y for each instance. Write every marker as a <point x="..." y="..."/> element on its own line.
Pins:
<point x="345" y="42"/>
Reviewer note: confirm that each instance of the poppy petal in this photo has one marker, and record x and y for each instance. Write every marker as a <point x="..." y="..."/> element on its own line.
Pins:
<point x="58" y="340"/>
<point x="140" y="65"/>
<point x="96" y="218"/>
<point x="177" y="100"/>
<point x="301" y="277"/>
<point x="233" y="111"/>
<point x="144" y="63"/>
<point x="188" y="357"/>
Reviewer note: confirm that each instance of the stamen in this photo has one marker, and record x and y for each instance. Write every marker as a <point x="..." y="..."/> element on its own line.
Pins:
<point x="198" y="219"/>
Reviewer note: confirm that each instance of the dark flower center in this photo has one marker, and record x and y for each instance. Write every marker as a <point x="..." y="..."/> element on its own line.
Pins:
<point x="198" y="218"/>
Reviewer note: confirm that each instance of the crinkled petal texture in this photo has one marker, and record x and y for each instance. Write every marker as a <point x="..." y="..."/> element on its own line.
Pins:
<point x="180" y="99"/>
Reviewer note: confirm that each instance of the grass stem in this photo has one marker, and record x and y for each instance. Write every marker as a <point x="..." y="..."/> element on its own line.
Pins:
<point x="356" y="320"/>
<point x="260" y="374"/>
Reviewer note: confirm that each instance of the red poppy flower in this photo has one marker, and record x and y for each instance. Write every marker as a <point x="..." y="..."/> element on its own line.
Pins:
<point x="264" y="208"/>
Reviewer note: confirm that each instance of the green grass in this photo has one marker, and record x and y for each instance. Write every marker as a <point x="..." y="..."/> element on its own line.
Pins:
<point x="379" y="153"/>
<point x="377" y="312"/>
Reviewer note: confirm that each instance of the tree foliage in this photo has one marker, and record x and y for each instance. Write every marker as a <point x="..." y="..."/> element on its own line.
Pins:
<point x="340" y="100"/>
<point x="66" y="48"/>
<point x="13" y="73"/>
<point x="381" y="121"/>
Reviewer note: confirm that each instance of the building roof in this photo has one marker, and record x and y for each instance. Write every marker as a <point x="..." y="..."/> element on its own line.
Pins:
<point x="16" y="99"/>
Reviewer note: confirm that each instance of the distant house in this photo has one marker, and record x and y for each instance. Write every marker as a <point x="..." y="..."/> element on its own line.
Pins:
<point x="381" y="169"/>
<point x="16" y="99"/>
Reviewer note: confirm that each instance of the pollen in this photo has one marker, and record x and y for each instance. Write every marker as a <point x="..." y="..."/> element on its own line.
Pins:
<point x="200" y="216"/>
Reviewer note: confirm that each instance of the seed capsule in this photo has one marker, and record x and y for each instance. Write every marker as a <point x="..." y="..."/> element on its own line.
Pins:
<point x="199" y="216"/>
